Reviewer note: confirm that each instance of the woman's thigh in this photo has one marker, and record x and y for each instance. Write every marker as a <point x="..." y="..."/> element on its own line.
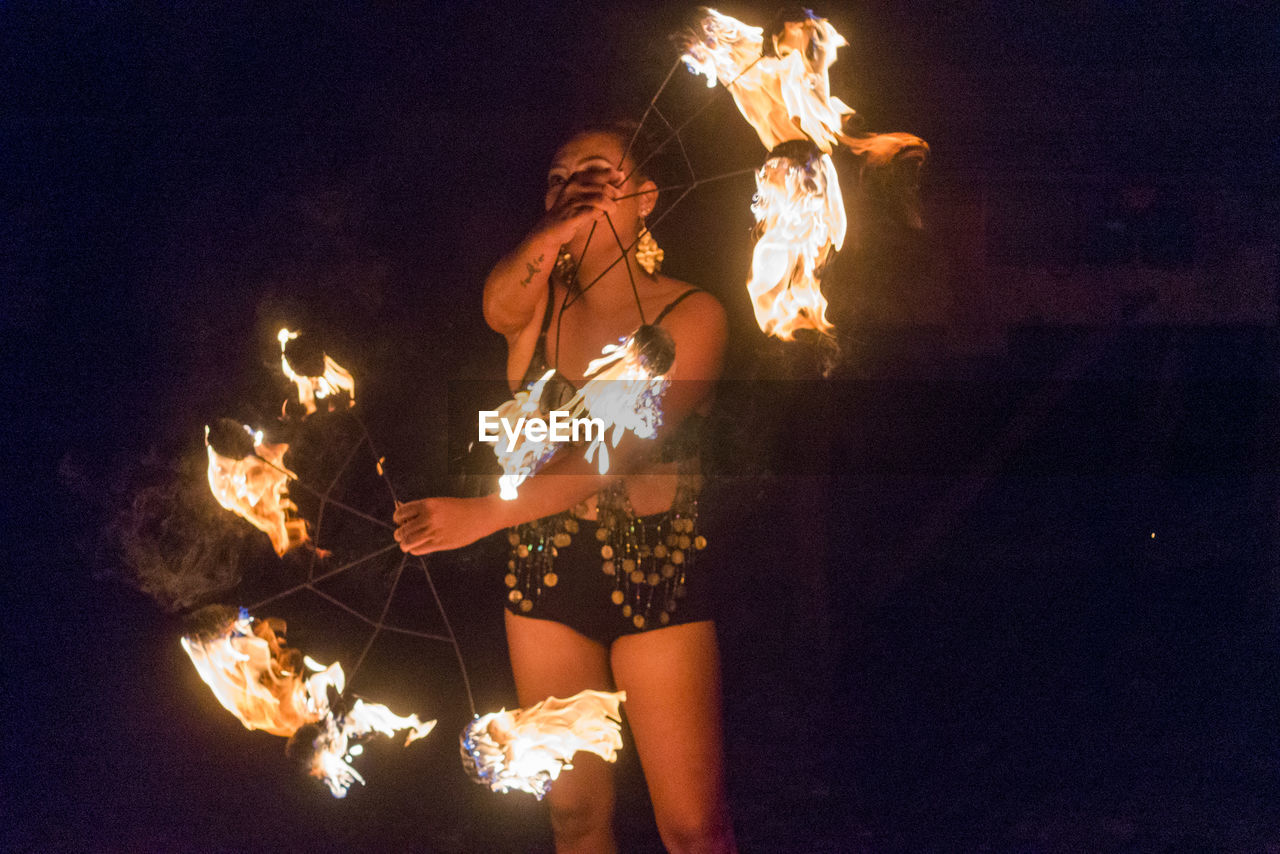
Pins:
<point x="550" y="659"/>
<point x="672" y="680"/>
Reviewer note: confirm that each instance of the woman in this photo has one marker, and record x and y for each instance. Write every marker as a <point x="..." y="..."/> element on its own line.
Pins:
<point x="622" y="602"/>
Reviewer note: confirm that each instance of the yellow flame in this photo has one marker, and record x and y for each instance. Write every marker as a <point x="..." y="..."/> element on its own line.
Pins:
<point x="783" y="97"/>
<point x="336" y="379"/>
<point x="526" y="749"/>
<point x="256" y="488"/>
<point x="801" y="223"/>
<point x="786" y="97"/>
<point x="252" y="680"/>
<point x="255" y="677"/>
<point x="333" y="750"/>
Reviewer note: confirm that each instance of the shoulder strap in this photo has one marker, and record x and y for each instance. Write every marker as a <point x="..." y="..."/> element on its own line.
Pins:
<point x="538" y="358"/>
<point x="675" y="302"/>
<point x="546" y="314"/>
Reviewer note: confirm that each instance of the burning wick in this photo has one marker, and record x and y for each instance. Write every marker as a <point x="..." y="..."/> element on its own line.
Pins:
<point x="526" y="749"/>
<point x="318" y="376"/>
<point x="800" y="224"/>
<point x="257" y="677"/>
<point x="781" y="84"/>
<point x="249" y="478"/>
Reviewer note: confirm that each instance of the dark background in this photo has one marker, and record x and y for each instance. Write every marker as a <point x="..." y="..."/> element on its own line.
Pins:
<point x="1020" y="602"/>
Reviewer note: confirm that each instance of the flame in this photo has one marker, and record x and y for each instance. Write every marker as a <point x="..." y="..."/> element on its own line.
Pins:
<point x="332" y="749"/>
<point x="335" y="379"/>
<point x="526" y="456"/>
<point x="783" y="93"/>
<point x="801" y="223"/>
<point x="781" y="84"/>
<point x="526" y="749"/>
<point x="625" y="389"/>
<point x="256" y="488"/>
<point x="256" y="677"/>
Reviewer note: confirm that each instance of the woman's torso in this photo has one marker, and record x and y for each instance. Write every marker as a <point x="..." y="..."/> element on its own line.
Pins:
<point x="568" y="343"/>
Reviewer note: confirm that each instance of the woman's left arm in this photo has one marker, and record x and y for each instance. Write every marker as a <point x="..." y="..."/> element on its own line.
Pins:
<point x="699" y="331"/>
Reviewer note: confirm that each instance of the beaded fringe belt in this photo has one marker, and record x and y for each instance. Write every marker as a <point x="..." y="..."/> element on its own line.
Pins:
<point x="647" y="558"/>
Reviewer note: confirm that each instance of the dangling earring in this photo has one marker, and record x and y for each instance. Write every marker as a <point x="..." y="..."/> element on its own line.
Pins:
<point x="566" y="269"/>
<point x="648" y="253"/>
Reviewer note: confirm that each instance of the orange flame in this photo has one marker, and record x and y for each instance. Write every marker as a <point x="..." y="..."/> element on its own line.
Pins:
<point x="801" y="223"/>
<point x="784" y="94"/>
<point x="256" y="488"/>
<point x="335" y="380"/>
<point x="257" y="679"/>
<point x="333" y="750"/>
<point x="527" y="749"/>
<point x="781" y="84"/>
<point x="260" y="680"/>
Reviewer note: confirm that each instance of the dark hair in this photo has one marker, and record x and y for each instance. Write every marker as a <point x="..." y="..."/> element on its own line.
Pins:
<point x="638" y="143"/>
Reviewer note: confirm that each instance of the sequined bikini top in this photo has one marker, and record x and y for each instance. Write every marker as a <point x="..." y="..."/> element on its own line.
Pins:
<point x="681" y="444"/>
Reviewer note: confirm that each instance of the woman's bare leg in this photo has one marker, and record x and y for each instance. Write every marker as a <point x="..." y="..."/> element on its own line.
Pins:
<point x="552" y="660"/>
<point x="672" y="680"/>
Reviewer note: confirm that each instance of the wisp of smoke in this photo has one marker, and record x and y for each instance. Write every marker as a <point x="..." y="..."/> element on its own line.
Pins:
<point x="169" y="538"/>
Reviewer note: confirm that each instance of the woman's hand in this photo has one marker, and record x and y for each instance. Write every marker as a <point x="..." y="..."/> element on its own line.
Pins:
<point x="439" y="524"/>
<point x="576" y="201"/>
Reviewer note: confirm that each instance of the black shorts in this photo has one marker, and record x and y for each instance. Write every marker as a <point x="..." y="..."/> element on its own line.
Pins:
<point x="603" y="598"/>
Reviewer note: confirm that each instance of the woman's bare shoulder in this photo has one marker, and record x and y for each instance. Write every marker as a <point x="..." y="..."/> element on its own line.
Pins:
<point x="699" y="304"/>
<point x="697" y="324"/>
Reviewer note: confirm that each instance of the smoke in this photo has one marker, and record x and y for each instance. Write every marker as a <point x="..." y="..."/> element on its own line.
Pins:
<point x="163" y="532"/>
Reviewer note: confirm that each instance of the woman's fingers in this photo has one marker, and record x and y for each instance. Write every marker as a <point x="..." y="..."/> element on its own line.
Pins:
<point x="406" y="512"/>
<point x="586" y="198"/>
<point x="413" y="537"/>
<point x="593" y="200"/>
<point x="414" y="526"/>
<point x="590" y="187"/>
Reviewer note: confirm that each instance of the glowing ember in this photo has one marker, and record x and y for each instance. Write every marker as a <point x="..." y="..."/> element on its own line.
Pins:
<point x="524" y="456"/>
<point x="625" y="389"/>
<point x="330" y="380"/>
<point x="527" y="749"/>
<point x="265" y="683"/>
<point x="249" y="478"/>
<point x="781" y="84"/>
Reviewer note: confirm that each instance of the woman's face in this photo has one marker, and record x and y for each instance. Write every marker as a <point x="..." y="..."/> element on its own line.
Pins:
<point x="594" y="158"/>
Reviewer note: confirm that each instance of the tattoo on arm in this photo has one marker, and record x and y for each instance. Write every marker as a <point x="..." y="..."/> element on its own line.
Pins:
<point x="534" y="268"/>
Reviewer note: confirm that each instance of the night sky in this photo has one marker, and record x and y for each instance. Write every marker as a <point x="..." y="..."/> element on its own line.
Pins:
<point x="964" y="607"/>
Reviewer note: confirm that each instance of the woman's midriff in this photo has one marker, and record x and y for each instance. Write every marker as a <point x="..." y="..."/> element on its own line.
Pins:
<point x="649" y="493"/>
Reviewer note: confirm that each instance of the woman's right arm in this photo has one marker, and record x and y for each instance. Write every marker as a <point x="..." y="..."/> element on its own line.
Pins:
<point x="517" y="285"/>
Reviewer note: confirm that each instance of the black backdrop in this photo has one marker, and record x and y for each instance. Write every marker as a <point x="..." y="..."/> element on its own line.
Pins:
<point x="922" y="649"/>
